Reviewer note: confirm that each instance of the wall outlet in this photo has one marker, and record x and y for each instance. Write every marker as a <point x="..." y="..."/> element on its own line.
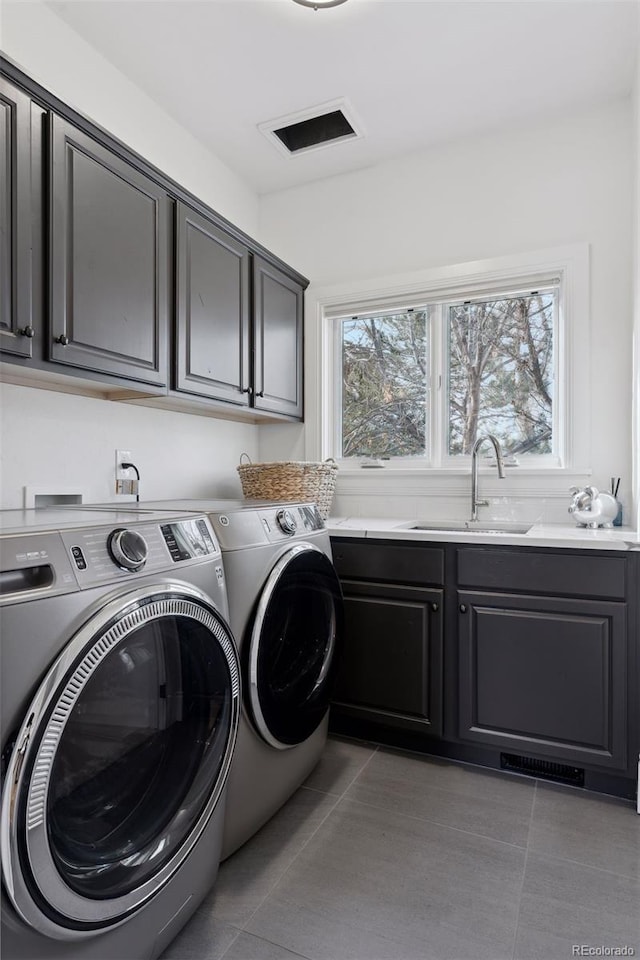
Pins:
<point x="122" y="456"/>
<point x="124" y="478"/>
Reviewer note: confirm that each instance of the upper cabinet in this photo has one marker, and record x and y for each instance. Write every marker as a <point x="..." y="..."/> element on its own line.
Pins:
<point x="238" y="321"/>
<point x="277" y="331"/>
<point x="212" y="311"/>
<point x="144" y="291"/>
<point x="20" y="221"/>
<point x="109" y="261"/>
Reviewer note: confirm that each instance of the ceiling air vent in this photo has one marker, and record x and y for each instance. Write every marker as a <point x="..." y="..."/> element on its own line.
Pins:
<point x="312" y="129"/>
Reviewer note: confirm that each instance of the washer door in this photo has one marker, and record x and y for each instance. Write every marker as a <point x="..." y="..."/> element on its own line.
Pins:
<point x="120" y="761"/>
<point x="293" y="646"/>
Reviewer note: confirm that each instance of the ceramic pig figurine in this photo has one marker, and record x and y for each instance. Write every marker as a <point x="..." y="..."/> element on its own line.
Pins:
<point x="592" y="508"/>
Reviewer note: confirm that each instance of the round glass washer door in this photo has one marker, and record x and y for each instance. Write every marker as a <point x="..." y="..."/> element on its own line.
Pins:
<point x="294" y="646"/>
<point x="120" y="761"/>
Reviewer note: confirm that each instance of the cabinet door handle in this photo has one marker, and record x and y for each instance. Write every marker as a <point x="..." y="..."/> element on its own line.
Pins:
<point x="27" y="332"/>
<point x="62" y="339"/>
<point x="463" y="608"/>
<point x="248" y="390"/>
<point x="434" y="607"/>
<point x="260" y="393"/>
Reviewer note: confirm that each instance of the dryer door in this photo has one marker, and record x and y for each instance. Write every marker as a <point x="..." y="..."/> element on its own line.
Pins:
<point x="292" y="652"/>
<point x="120" y="761"/>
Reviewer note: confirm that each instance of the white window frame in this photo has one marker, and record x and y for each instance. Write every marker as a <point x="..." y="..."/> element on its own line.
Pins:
<point x="570" y="264"/>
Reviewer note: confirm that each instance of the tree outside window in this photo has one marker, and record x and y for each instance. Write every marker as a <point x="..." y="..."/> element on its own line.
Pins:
<point x="384" y="385"/>
<point x="501" y="373"/>
<point x="496" y="366"/>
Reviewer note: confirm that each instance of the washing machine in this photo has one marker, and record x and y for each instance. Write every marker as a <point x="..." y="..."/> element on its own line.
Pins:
<point x="120" y="709"/>
<point x="286" y="613"/>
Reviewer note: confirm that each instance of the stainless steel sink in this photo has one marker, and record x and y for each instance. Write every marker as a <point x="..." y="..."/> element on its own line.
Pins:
<point x="470" y="526"/>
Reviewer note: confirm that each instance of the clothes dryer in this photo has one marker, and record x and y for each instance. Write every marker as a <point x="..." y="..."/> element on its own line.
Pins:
<point x="285" y="611"/>
<point x="120" y="709"/>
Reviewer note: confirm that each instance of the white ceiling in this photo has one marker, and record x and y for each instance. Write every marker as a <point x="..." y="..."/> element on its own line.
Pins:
<point x="415" y="72"/>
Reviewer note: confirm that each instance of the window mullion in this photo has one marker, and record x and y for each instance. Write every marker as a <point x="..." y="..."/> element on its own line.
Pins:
<point x="336" y="393"/>
<point x="437" y="367"/>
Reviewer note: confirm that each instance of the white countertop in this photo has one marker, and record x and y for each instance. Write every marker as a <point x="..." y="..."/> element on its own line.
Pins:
<point x="561" y="535"/>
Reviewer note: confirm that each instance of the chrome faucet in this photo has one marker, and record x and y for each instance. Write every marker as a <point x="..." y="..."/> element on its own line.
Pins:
<point x="475" y="503"/>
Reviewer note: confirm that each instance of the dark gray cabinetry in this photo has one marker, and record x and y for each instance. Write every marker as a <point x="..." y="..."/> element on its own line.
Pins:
<point x="278" y="343"/>
<point x="544" y="676"/>
<point x="391" y="668"/>
<point x="132" y="257"/>
<point x="391" y="665"/>
<point x="523" y="658"/>
<point x="20" y="222"/>
<point x="544" y="673"/>
<point x="110" y="261"/>
<point x="212" y="321"/>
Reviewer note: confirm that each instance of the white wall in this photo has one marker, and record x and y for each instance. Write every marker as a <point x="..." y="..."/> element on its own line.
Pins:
<point x="636" y="292"/>
<point x="54" y="440"/>
<point x="561" y="182"/>
<point x="58" y="58"/>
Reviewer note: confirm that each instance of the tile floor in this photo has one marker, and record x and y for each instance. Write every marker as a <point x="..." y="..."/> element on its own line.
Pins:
<point x="384" y="855"/>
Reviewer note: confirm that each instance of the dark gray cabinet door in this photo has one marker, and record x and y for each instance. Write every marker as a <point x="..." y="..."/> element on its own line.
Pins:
<point x="544" y="676"/>
<point x="110" y="260"/>
<point x="278" y="340"/>
<point x="19" y="217"/>
<point x="391" y="666"/>
<point x="212" y="315"/>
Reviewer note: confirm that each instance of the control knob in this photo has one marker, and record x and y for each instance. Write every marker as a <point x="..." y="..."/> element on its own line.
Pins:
<point x="127" y="549"/>
<point x="287" y="522"/>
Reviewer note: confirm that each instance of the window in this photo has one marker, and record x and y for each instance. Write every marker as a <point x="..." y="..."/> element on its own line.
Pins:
<point x="421" y="383"/>
<point x="385" y="362"/>
<point x="500" y="372"/>
<point x="389" y="372"/>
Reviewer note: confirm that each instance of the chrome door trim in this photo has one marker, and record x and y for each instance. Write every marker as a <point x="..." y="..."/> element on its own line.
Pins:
<point x="254" y="643"/>
<point x="51" y="707"/>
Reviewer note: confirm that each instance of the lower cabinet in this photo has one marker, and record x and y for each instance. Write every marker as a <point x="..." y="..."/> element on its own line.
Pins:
<point x="544" y="676"/>
<point x="392" y="664"/>
<point x="518" y="658"/>
<point x="391" y="669"/>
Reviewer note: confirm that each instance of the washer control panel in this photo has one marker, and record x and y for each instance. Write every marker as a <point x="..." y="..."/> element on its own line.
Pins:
<point x="264" y="524"/>
<point x="100" y="554"/>
<point x="297" y="519"/>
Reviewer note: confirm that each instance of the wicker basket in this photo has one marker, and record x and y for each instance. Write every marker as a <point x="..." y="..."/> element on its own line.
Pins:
<point x="290" y="480"/>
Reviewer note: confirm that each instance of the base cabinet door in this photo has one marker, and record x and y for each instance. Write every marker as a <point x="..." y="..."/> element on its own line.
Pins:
<point x="212" y="317"/>
<point x="391" y="668"/>
<point x="278" y="341"/>
<point x="20" y="221"/>
<point x="110" y="261"/>
<point x="544" y="676"/>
